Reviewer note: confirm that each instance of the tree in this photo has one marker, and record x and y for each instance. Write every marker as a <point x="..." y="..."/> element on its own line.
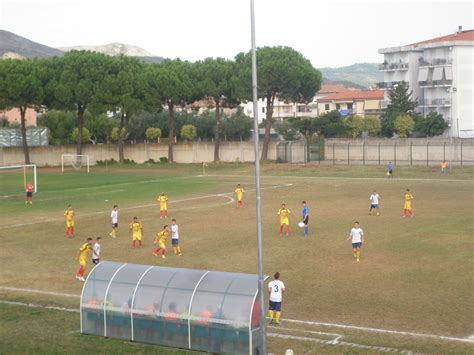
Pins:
<point x="153" y="133"/>
<point x="372" y="125"/>
<point x="403" y="125"/>
<point x="86" y="136"/>
<point x="432" y="125"/>
<point x="287" y="130"/>
<point x="330" y="124"/>
<point x="401" y="102"/>
<point x="188" y="132"/>
<point x="122" y="92"/>
<point x="237" y="126"/>
<point x="170" y="82"/>
<point x="60" y="125"/>
<point x="356" y="125"/>
<point x="215" y="81"/>
<point x="99" y="126"/>
<point x="74" y="81"/>
<point x="21" y="87"/>
<point x="283" y="73"/>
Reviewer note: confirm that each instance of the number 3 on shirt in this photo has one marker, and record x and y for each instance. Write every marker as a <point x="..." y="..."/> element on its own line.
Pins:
<point x="276" y="288"/>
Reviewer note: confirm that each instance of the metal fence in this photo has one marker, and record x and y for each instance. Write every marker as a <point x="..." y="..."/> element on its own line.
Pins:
<point x="35" y="137"/>
<point x="402" y="153"/>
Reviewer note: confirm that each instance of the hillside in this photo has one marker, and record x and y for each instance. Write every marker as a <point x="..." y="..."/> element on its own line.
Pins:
<point x="363" y="74"/>
<point x="116" y="49"/>
<point x="14" y="46"/>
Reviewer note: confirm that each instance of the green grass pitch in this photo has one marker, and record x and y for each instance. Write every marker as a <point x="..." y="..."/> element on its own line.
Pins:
<point x="415" y="275"/>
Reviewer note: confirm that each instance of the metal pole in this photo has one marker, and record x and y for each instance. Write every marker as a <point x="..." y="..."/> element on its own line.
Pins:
<point x="348" y="153"/>
<point x="257" y="182"/>
<point x="395" y="154"/>
<point x="333" y="154"/>
<point x="363" y="153"/>
<point x="411" y="153"/>
<point x="427" y="154"/>
<point x="379" y="153"/>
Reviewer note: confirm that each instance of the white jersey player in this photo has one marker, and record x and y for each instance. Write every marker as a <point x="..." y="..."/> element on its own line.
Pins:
<point x="275" y="291"/>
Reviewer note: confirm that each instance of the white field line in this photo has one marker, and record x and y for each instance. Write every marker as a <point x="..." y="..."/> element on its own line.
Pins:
<point x="224" y="194"/>
<point x="336" y="339"/>
<point x="338" y="178"/>
<point x="69" y="196"/>
<point x="29" y="290"/>
<point x="74" y="310"/>
<point x="377" y="330"/>
<point x="469" y="339"/>
<point x="342" y="343"/>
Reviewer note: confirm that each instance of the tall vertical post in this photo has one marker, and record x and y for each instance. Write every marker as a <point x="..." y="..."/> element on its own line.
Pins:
<point x="263" y="334"/>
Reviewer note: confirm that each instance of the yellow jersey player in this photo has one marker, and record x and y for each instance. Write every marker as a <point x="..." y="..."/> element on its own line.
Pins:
<point x="82" y="256"/>
<point x="161" y="239"/>
<point x="239" y="194"/>
<point x="69" y="215"/>
<point x="284" y="214"/>
<point x="163" y="200"/>
<point x="137" y="232"/>
<point x="407" y="209"/>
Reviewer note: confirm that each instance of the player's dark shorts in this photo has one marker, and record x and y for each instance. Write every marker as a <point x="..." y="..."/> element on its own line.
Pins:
<point x="95" y="261"/>
<point x="29" y="194"/>
<point x="390" y="172"/>
<point x="306" y="220"/>
<point x="356" y="245"/>
<point x="114" y="225"/>
<point x="174" y="241"/>
<point x="275" y="306"/>
<point x="374" y="206"/>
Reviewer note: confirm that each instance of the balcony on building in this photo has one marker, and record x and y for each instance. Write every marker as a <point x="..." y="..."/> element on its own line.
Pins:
<point x="433" y="62"/>
<point x="440" y="76"/>
<point x="439" y="102"/>
<point x="385" y="66"/>
<point x="388" y="84"/>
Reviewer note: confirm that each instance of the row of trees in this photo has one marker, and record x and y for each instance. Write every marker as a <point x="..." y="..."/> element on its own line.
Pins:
<point x="104" y="129"/>
<point x="88" y="82"/>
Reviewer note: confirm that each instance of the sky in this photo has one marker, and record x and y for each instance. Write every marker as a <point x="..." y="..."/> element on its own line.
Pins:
<point x="329" y="33"/>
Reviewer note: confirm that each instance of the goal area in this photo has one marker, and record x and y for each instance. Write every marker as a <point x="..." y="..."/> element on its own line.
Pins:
<point x="76" y="161"/>
<point x="14" y="178"/>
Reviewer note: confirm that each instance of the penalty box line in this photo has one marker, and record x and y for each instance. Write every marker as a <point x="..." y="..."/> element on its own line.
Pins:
<point x="223" y="194"/>
<point x="331" y="325"/>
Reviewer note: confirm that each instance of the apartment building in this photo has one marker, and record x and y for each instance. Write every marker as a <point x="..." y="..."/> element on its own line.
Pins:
<point x="440" y="72"/>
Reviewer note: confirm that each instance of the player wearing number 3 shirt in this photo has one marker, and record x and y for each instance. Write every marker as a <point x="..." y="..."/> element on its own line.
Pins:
<point x="275" y="290"/>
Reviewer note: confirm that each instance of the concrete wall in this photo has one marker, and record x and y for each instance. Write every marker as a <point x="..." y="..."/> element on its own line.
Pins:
<point x="183" y="153"/>
<point x="401" y="151"/>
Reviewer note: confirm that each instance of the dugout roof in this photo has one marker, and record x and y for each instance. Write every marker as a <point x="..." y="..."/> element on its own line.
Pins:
<point x="186" y="308"/>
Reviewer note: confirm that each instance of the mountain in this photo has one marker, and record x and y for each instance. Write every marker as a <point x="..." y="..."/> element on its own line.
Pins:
<point x="363" y="74"/>
<point x="17" y="47"/>
<point x="116" y="49"/>
<point x="347" y="84"/>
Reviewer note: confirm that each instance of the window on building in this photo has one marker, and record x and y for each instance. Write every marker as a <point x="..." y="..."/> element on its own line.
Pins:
<point x="349" y="106"/>
<point x="263" y="109"/>
<point x="326" y="107"/>
<point x="338" y="106"/>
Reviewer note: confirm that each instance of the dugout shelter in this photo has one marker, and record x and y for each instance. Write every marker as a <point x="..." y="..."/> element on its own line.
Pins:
<point x="183" y="308"/>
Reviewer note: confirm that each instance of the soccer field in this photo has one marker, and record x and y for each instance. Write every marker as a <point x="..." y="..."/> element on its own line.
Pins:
<point x="412" y="290"/>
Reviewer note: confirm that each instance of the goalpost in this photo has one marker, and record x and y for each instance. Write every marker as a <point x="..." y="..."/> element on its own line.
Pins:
<point x="10" y="181"/>
<point x="76" y="161"/>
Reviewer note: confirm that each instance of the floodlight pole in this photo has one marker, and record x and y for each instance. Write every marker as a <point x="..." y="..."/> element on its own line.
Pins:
<point x="257" y="183"/>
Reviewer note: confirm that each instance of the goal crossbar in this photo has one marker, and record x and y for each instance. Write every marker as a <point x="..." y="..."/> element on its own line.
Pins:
<point x="75" y="156"/>
<point x="24" y="166"/>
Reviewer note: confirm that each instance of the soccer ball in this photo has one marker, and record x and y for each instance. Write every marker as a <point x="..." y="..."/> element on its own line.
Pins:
<point x="301" y="224"/>
<point x="289" y="352"/>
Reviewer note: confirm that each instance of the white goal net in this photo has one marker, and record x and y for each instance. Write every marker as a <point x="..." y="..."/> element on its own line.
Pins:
<point x="76" y="161"/>
<point x="14" y="178"/>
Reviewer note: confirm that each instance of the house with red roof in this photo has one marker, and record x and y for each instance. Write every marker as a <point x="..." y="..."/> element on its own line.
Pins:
<point x="440" y="72"/>
<point x="357" y="102"/>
